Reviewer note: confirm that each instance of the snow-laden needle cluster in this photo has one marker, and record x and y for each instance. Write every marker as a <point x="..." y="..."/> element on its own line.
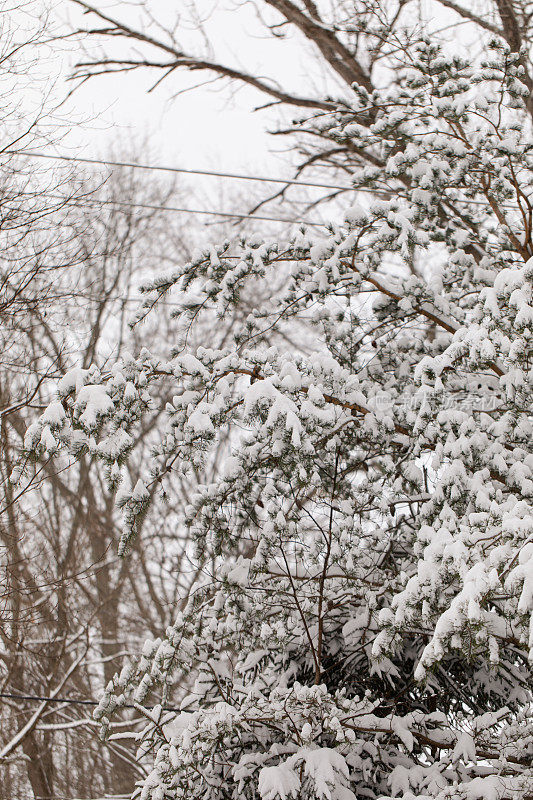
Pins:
<point x="363" y="627"/>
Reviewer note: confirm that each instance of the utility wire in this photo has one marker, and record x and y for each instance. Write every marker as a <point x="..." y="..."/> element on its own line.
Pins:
<point x="41" y="699"/>
<point x="235" y="175"/>
<point x="57" y="797"/>
<point x="71" y="701"/>
<point x="151" y="206"/>
<point x="119" y="298"/>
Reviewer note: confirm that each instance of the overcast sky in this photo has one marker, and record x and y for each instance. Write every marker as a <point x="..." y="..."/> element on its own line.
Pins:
<point x="207" y="127"/>
<point x="211" y="126"/>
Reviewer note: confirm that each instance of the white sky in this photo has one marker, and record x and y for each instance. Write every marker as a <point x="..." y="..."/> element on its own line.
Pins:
<point x="211" y="127"/>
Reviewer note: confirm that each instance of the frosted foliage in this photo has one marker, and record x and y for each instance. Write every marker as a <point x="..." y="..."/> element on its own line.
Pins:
<point x="279" y="781"/>
<point x="362" y="626"/>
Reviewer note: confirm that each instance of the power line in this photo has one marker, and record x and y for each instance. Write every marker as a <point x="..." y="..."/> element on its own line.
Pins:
<point x="42" y="699"/>
<point x="235" y="175"/>
<point x="72" y="701"/>
<point x="152" y="206"/>
<point x="57" y="797"/>
<point x="121" y="298"/>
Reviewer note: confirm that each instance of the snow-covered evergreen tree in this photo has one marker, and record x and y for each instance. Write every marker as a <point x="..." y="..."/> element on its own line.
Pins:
<point x="363" y="628"/>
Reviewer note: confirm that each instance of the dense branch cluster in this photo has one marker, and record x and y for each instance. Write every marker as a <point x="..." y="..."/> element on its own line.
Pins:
<point x="362" y="622"/>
